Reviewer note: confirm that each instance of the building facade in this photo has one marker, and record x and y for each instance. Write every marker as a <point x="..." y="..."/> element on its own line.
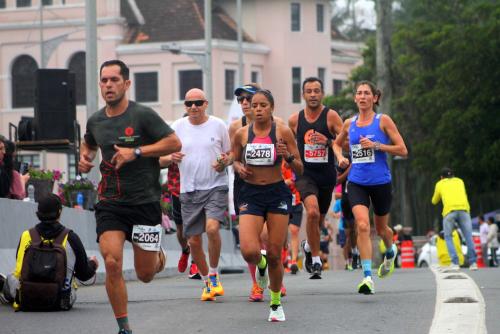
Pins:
<point x="284" y="41"/>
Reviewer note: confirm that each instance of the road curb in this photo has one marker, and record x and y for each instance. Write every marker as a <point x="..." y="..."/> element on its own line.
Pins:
<point x="460" y="306"/>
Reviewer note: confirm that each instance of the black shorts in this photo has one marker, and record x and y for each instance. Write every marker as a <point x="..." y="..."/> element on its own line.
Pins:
<point x="307" y="186"/>
<point x="176" y="210"/>
<point x="323" y="247"/>
<point x="259" y="200"/>
<point x="296" y="215"/>
<point x="119" y="217"/>
<point x="380" y="196"/>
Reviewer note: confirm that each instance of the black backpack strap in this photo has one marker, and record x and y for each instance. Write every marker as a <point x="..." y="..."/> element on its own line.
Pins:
<point x="35" y="236"/>
<point x="60" y="238"/>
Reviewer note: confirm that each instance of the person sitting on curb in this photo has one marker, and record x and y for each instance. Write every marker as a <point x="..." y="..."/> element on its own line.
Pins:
<point x="31" y="284"/>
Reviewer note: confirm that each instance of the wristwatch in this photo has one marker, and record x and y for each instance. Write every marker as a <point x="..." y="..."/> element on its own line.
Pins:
<point x="329" y="142"/>
<point x="290" y="158"/>
<point x="377" y="146"/>
<point x="137" y="152"/>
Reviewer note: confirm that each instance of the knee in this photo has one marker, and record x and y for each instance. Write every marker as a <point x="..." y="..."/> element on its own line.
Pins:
<point x="212" y="232"/>
<point x="113" y="266"/>
<point x="363" y="227"/>
<point x="145" y="277"/>
<point x="194" y="242"/>
<point x="313" y="214"/>
<point x="251" y="256"/>
<point x="274" y="255"/>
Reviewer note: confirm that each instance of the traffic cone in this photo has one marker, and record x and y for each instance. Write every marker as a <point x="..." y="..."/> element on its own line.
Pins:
<point x="407" y="254"/>
<point x="479" y="251"/>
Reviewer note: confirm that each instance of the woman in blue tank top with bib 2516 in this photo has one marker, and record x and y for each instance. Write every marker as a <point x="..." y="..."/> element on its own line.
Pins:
<point x="371" y="137"/>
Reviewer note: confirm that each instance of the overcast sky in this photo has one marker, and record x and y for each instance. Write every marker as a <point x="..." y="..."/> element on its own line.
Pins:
<point x="365" y="12"/>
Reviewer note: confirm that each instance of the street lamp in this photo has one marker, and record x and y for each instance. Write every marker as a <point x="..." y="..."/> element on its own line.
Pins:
<point x="200" y="57"/>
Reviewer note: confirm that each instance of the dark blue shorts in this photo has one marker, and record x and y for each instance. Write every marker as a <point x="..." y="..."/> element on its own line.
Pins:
<point x="259" y="200"/>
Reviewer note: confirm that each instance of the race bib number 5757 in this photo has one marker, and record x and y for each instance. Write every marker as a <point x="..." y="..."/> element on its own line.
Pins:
<point x="147" y="237"/>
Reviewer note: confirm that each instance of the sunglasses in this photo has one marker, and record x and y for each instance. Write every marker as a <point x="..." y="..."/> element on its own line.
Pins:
<point x="244" y="97"/>
<point x="197" y="103"/>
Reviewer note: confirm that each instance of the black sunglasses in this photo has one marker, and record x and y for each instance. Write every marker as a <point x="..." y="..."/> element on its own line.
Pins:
<point x="244" y="97"/>
<point x="197" y="103"/>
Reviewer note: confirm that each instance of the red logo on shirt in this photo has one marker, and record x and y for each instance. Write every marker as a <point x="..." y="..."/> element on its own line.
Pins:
<point x="129" y="131"/>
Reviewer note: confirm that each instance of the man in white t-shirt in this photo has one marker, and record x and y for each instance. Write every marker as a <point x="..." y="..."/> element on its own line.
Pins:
<point x="483" y="237"/>
<point x="202" y="164"/>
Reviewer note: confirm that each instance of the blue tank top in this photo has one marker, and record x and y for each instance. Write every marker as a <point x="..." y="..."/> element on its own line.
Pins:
<point x="369" y="167"/>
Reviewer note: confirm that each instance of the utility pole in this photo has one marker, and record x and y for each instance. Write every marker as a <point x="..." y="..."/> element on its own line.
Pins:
<point x="207" y="74"/>
<point x="239" y="15"/>
<point x="384" y="53"/>
<point x="91" y="56"/>
<point x="42" y="53"/>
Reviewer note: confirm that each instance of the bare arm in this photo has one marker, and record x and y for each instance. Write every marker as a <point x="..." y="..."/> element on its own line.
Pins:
<point x="292" y="123"/>
<point x="337" y="144"/>
<point x="343" y="176"/>
<point x="398" y="146"/>
<point x="289" y="149"/>
<point x="334" y="122"/>
<point x="87" y="155"/>
<point x="237" y="147"/>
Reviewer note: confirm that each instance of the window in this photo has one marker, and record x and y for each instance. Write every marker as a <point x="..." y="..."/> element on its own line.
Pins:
<point x="321" y="74"/>
<point x="77" y="65"/>
<point x="320" y="18"/>
<point x="33" y="160"/>
<point x="296" y="84"/>
<point x="23" y="82"/>
<point x="71" y="167"/>
<point x="146" y="87"/>
<point x="337" y="87"/>
<point x="47" y="2"/>
<point x="23" y="3"/>
<point x="295" y="16"/>
<point x="229" y="84"/>
<point x="254" y="77"/>
<point x="189" y="79"/>
<point x="2" y="3"/>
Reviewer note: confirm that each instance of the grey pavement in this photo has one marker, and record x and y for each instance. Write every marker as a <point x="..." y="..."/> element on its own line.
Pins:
<point x="403" y="303"/>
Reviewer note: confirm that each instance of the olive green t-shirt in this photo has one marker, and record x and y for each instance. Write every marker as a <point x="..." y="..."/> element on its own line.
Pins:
<point x="136" y="182"/>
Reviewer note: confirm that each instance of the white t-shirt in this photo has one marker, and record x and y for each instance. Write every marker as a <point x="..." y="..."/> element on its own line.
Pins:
<point x="483" y="233"/>
<point x="201" y="145"/>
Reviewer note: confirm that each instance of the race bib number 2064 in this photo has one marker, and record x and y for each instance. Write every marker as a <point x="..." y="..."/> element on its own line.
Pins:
<point x="147" y="237"/>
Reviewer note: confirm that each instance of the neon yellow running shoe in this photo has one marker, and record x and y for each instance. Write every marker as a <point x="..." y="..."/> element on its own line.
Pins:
<point x="387" y="267"/>
<point x="366" y="286"/>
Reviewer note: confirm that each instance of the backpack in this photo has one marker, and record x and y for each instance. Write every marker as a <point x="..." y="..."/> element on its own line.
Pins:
<point x="43" y="273"/>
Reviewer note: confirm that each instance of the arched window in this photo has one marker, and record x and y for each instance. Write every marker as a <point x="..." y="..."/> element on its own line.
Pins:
<point x="77" y="66"/>
<point x="23" y="82"/>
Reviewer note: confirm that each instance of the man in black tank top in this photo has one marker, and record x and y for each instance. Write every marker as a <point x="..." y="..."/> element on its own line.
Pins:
<point x="315" y="128"/>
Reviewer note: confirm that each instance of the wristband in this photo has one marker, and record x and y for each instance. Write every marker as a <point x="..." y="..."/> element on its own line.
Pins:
<point x="290" y="158"/>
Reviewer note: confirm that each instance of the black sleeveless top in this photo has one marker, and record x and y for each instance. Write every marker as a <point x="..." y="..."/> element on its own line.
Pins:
<point x="318" y="160"/>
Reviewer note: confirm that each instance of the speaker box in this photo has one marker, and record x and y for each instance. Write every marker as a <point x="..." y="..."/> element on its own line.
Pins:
<point x="26" y="129"/>
<point x="55" y="104"/>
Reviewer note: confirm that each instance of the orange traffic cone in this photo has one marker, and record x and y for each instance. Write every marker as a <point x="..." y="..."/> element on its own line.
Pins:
<point x="479" y="251"/>
<point x="407" y="254"/>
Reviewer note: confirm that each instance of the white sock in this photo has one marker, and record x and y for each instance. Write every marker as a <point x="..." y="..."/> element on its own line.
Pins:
<point x="316" y="259"/>
<point x="306" y="247"/>
<point x="204" y="279"/>
<point x="213" y="271"/>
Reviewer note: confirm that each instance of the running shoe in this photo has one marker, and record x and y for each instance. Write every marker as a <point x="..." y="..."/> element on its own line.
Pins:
<point x="125" y="331"/>
<point x="276" y="313"/>
<point x="183" y="261"/>
<point x="162" y="256"/>
<point x="348" y="267"/>
<point x="316" y="271"/>
<point x="283" y="290"/>
<point x="473" y="266"/>
<point x="387" y="266"/>
<point x="207" y="293"/>
<point x="257" y="293"/>
<point x="294" y="268"/>
<point x="366" y="286"/>
<point x="215" y="285"/>
<point x="307" y="257"/>
<point x="3" y="300"/>
<point x="261" y="275"/>
<point x="193" y="271"/>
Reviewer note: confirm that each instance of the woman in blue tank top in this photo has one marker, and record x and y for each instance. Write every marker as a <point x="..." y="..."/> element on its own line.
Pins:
<point x="371" y="137"/>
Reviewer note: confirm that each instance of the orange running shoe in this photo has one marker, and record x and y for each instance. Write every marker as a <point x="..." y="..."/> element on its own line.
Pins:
<point x="215" y="285"/>
<point x="283" y="290"/>
<point x="207" y="293"/>
<point x="257" y="293"/>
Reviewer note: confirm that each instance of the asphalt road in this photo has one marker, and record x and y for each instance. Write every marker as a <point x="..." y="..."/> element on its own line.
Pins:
<point x="403" y="303"/>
